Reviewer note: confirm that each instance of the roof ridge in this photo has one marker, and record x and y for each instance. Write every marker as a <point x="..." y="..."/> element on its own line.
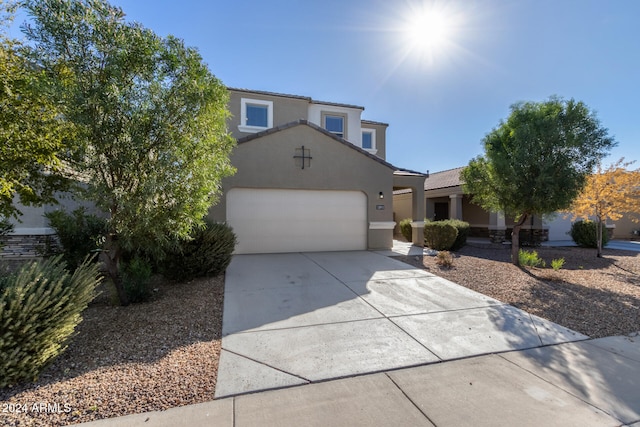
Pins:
<point x="286" y="95"/>
<point x="448" y="170"/>
<point x="264" y="92"/>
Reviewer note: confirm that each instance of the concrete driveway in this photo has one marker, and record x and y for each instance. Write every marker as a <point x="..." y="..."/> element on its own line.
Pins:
<point x="297" y="318"/>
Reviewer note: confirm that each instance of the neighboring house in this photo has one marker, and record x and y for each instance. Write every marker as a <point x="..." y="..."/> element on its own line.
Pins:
<point x="311" y="176"/>
<point x="31" y="233"/>
<point x="444" y="199"/>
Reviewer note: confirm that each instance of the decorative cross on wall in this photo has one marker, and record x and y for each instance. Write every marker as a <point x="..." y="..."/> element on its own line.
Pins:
<point x="304" y="154"/>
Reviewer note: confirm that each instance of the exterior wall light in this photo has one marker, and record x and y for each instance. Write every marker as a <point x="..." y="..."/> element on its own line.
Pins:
<point x="380" y="195"/>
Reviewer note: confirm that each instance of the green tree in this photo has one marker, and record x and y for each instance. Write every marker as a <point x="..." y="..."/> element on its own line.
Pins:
<point x="152" y="139"/>
<point x="537" y="161"/>
<point x="32" y="132"/>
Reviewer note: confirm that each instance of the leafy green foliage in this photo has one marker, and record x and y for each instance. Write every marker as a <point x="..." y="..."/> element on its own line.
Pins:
<point x="405" y="229"/>
<point x="40" y="306"/>
<point x="207" y="253"/>
<point x="530" y="259"/>
<point x="440" y="235"/>
<point x="463" y="232"/>
<point x="557" y="264"/>
<point x="585" y="234"/>
<point x="536" y="162"/>
<point x="33" y="134"/>
<point x="136" y="278"/>
<point x="79" y="233"/>
<point x="444" y="259"/>
<point x="152" y="140"/>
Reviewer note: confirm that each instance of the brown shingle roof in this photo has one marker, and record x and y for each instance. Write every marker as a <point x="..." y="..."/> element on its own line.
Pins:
<point x="444" y="179"/>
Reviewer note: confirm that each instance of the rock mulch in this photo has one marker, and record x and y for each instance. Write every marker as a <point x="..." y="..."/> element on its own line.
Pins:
<point x="597" y="297"/>
<point x="125" y="360"/>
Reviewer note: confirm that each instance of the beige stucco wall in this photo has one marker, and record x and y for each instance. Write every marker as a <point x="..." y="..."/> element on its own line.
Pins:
<point x="285" y="109"/>
<point x="268" y="162"/>
<point x="624" y="228"/>
<point x="474" y="214"/>
<point x="402" y="207"/>
<point x="381" y="137"/>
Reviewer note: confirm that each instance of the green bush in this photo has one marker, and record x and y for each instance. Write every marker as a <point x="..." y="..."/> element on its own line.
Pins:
<point x="207" y="254"/>
<point x="40" y="306"/>
<point x="136" y="279"/>
<point x="440" y="235"/>
<point x="557" y="264"/>
<point x="584" y="233"/>
<point x="405" y="229"/>
<point x="463" y="228"/>
<point x="79" y="233"/>
<point x="530" y="259"/>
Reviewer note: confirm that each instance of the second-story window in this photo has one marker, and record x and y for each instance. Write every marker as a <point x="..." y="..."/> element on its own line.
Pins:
<point x="334" y="124"/>
<point x="369" y="140"/>
<point x="255" y="115"/>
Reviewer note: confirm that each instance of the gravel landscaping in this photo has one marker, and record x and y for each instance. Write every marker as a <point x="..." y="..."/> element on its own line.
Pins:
<point x="597" y="297"/>
<point x="164" y="353"/>
<point x="126" y="360"/>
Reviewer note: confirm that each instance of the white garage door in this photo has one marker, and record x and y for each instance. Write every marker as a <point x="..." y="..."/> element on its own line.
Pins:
<point x="269" y="221"/>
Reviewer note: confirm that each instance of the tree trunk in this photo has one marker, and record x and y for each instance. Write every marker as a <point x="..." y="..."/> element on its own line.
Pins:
<point x="111" y="258"/>
<point x="515" y="240"/>
<point x="599" y="238"/>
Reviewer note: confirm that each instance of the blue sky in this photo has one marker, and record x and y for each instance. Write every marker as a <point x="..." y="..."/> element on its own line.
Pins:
<point x="440" y="99"/>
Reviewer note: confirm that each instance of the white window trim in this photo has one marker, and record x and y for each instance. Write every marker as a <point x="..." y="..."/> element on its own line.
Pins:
<point x="374" y="147"/>
<point x="243" y="115"/>
<point x="343" y="116"/>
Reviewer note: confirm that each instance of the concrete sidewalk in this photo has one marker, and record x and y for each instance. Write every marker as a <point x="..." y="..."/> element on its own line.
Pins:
<point x="588" y="383"/>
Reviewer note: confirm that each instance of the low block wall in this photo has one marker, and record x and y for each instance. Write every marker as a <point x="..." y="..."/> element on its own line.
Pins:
<point x="25" y="246"/>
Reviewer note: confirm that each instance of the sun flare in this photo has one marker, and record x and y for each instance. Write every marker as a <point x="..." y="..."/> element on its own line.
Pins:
<point x="428" y="31"/>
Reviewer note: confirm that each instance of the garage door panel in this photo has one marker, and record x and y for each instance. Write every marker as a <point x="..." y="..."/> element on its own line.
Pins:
<point x="269" y="220"/>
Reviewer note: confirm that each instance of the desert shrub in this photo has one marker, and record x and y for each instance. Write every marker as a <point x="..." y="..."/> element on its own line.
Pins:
<point x="206" y="254"/>
<point x="584" y="233"/>
<point x="40" y="306"/>
<point x="557" y="264"/>
<point x="530" y="259"/>
<point x="79" y="233"/>
<point x="136" y="278"/>
<point x="444" y="259"/>
<point x="405" y="228"/>
<point x="463" y="232"/>
<point x="440" y="235"/>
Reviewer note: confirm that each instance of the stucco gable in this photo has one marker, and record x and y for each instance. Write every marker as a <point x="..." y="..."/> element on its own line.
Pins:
<point x="316" y="128"/>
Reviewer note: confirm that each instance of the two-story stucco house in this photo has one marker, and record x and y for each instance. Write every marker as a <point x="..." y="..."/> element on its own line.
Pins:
<point x="311" y="176"/>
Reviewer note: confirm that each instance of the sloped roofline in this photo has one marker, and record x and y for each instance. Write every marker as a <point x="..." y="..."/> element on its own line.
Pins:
<point x="450" y="184"/>
<point x="302" y="122"/>
<point x="371" y="122"/>
<point x="304" y="98"/>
